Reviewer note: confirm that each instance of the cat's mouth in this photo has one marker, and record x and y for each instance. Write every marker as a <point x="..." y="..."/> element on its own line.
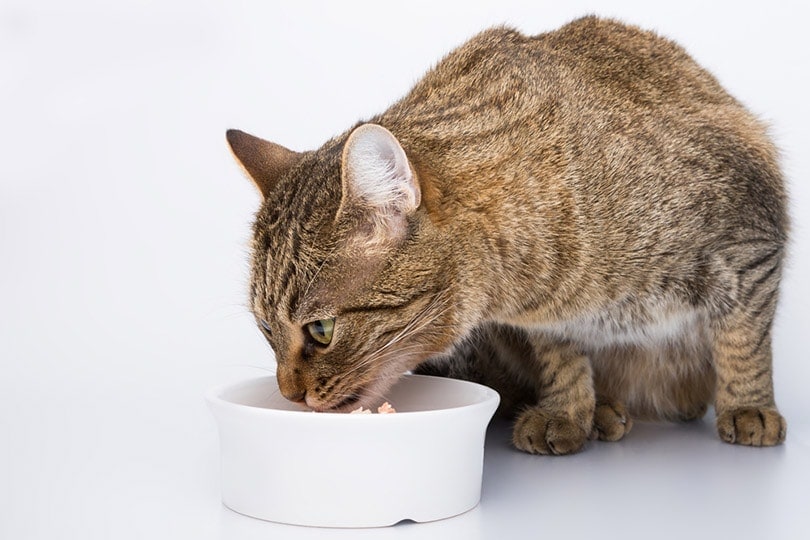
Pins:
<point x="352" y="399"/>
<point x="369" y="391"/>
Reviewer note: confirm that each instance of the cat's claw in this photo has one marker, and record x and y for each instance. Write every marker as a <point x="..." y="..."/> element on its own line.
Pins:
<point x="537" y="432"/>
<point x="752" y="426"/>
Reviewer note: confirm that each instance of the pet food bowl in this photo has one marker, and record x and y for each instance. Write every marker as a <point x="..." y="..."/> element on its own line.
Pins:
<point x="284" y="463"/>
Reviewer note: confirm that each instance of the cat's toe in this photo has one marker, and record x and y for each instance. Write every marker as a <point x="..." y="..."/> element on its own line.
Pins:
<point x="752" y="426"/>
<point x="537" y="432"/>
<point x="610" y="422"/>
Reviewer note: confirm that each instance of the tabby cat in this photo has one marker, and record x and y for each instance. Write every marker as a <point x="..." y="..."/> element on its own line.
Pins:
<point x="583" y="219"/>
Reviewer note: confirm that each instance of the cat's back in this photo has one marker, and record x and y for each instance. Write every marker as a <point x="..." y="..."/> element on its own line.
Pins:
<point x="595" y="108"/>
<point x="503" y="96"/>
<point x="631" y="64"/>
<point x="590" y="59"/>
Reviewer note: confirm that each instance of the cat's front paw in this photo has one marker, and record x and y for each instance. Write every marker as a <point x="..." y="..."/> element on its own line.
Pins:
<point x="537" y="432"/>
<point x="610" y="422"/>
<point x="752" y="426"/>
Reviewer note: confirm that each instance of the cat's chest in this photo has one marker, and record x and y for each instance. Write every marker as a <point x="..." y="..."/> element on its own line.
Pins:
<point x="646" y="323"/>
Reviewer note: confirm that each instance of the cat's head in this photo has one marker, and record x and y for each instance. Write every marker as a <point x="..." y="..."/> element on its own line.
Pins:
<point x="350" y="283"/>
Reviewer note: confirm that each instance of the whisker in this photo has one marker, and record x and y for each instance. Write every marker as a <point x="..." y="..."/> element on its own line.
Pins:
<point x="263" y="368"/>
<point x="423" y="323"/>
<point x="420" y="318"/>
<point x="419" y="324"/>
<point x="318" y="271"/>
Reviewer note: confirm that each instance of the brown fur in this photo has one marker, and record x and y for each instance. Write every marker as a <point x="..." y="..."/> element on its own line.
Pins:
<point x="599" y="235"/>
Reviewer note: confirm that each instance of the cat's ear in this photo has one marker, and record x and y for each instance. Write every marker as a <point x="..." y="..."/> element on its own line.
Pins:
<point x="378" y="180"/>
<point x="263" y="161"/>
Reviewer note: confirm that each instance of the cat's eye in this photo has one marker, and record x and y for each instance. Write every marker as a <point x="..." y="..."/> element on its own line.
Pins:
<point x="265" y="325"/>
<point x="321" y="331"/>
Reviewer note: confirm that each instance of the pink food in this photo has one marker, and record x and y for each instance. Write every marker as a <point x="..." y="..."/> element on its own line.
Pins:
<point x="385" y="408"/>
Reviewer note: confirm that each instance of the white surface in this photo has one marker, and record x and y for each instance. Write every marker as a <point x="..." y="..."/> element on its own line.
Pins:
<point x="123" y="232"/>
<point x="286" y="464"/>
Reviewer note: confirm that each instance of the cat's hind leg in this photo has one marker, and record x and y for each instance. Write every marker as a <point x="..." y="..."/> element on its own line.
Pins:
<point x="670" y="381"/>
<point x="741" y="347"/>
<point x="611" y="421"/>
<point x="746" y="411"/>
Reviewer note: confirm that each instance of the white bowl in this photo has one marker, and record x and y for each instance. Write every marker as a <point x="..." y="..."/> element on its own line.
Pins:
<point x="283" y="463"/>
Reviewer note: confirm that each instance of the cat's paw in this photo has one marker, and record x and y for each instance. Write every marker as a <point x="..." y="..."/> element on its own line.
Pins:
<point x="610" y="422"/>
<point x="537" y="432"/>
<point x="752" y="426"/>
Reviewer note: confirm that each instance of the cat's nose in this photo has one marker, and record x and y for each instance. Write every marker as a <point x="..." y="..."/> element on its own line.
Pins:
<point x="291" y="384"/>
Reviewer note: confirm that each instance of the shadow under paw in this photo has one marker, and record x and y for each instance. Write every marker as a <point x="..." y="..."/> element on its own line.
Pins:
<point x="537" y="432"/>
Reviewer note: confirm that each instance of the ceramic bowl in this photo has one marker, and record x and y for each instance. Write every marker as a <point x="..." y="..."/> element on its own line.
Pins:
<point x="284" y="463"/>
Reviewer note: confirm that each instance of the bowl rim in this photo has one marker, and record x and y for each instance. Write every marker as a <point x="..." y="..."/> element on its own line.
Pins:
<point x="214" y="399"/>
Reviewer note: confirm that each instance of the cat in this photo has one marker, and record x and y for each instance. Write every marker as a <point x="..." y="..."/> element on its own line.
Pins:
<point x="582" y="219"/>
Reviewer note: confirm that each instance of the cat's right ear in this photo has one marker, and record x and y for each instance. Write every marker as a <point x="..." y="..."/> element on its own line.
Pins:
<point x="379" y="184"/>
<point x="263" y="161"/>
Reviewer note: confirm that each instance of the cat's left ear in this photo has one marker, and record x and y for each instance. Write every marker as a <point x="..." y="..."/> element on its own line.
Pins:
<point x="264" y="162"/>
<point x="378" y="181"/>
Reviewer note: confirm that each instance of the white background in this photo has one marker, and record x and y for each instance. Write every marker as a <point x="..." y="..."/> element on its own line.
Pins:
<point x="123" y="262"/>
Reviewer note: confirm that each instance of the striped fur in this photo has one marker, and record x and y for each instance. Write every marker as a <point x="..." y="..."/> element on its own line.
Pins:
<point x="600" y="236"/>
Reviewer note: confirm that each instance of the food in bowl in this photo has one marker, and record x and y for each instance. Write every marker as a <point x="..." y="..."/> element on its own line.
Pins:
<point x="385" y="408"/>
